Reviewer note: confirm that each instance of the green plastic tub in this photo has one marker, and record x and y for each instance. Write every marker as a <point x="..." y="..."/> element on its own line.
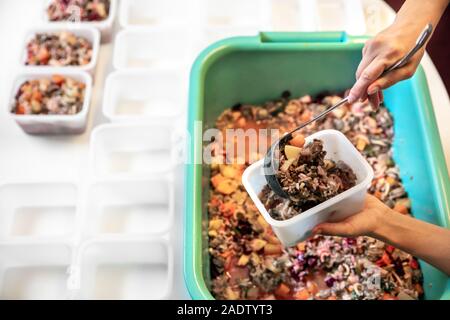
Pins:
<point x="256" y="69"/>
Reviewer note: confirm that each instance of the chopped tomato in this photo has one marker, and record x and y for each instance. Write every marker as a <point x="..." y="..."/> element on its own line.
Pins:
<point x="58" y="79"/>
<point x="413" y="264"/>
<point x="227" y="209"/>
<point x="384" y="260"/>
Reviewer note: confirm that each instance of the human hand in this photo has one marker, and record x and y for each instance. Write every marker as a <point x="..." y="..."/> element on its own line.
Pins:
<point x="379" y="53"/>
<point x="365" y="222"/>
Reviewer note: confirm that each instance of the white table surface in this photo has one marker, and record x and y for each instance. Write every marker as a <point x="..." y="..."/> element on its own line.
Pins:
<point x="24" y="157"/>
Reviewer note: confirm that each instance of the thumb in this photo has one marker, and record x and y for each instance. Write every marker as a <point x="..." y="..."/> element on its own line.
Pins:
<point x="333" y="229"/>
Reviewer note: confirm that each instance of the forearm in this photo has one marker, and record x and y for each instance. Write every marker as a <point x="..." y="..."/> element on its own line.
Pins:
<point x="415" y="14"/>
<point x="423" y="240"/>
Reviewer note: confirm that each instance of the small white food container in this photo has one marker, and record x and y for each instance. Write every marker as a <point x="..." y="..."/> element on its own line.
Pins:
<point x="154" y="48"/>
<point x="129" y="207"/>
<point x="52" y="124"/>
<point x="34" y="271"/>
<point x="152" y="96"/>
<point x="126" y="269"/>
<point x="87" y="32"/>
<point x="133" y="150"/>
<point x="105" y="26"/>
<point x="149" y="13"/>
<point x="345" y="204"/>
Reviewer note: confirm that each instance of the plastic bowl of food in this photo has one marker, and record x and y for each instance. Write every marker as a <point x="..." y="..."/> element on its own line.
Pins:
<point x="59" y="121"/>
<point x="339" y="207"/>
<point x="71" y="36"/>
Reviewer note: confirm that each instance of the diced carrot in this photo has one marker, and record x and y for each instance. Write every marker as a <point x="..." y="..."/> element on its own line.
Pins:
<point x="401" y="208"/>
<point x="20" y="109"/>
<point x="215" y="180"/>
<point x="297" y="141"/>
<point x="272" y="249"/>
<point x="384" y="260"/>
<point x="302" y="295"/>
<point x="227" y="209"/>
<point x="227" y="186"/>
<point x="37" y="95"/>
<point x="58" y="79"/>
<point x="301" y="246"/>
<point x="282" y="290"/>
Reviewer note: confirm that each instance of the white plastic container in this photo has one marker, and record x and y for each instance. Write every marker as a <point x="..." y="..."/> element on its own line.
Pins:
<point x="34" y="271"/>
<point x="236" y="13"/>
<point x="156" y="48"/>
<point x="129" y="207"/>
<point x="38" y="210"/>
<point x="87" y="32"/>
<point x="349" y="202"/>
<point x="52" y="124"/>
<point x="147" y="13"/>
<point x="149" y="96"/>
<point x="135" y="269"/>
<point x="105" y="26"/>
<point x="327" y="15"/>
<point x="133" y="150"/>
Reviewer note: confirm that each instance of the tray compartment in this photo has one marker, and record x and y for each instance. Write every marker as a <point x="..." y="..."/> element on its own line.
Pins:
<point x="34" y="271"/>
<point x="148" y="96"/>
<point x="38" y="210"/>
<point x="156" y="48"/>
<point x="126" y="270"/>
<point x="130" y="207"/>
<point x="132" y="150"/>
<point x="154" y="12"/>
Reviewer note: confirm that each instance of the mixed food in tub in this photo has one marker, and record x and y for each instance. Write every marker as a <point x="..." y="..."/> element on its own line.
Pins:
<point x="78" y="10"/>
<point x="247" y="259"/>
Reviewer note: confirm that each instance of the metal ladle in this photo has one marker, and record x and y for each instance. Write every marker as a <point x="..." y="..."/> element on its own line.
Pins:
<point x="271" y="160"/>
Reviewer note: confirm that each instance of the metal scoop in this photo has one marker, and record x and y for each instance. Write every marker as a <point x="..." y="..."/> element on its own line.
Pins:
<point x="271" y="160"/>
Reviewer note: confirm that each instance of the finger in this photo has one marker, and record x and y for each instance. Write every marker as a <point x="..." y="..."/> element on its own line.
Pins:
<point x="392" y="78"/>
<point x="333" y="229"/>
<point x="368" y="76"/>
<point x="374" y="100"/>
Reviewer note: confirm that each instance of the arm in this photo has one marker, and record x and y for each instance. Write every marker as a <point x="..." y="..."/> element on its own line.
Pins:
<point x="391" y="45"/>
<point x="423" y="240"/>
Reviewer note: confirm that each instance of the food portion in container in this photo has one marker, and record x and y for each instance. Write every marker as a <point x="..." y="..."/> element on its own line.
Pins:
<point x="78" y="10"/>
<point x="58" y="49"/>
<point x="247" y="259"/>
<point x="57" y="95"/>
<point x="307" y="177"/>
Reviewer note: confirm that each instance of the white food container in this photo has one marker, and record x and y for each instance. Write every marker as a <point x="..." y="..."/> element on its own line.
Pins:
<point x="133" y="150"/>
<point x="349" y="202"/>
<point x="52" y="124"/>
<point x="152" y="96"/>
<point x="38" y="210"/>
<point x="129" y="207"/>
<point x="155" y="48"/>
<point x="154" y="12"/>
<point x="133" y="269"/>
<point x="87" y="32"/>
<point x="105" y="26"/>
<point x="34" y="270"/>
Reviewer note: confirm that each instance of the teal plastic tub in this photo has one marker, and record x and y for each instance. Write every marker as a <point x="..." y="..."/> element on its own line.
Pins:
<point x="257" y="69"/>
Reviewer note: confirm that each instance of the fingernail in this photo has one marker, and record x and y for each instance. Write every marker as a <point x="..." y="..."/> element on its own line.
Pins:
<point x="351" y="98"/>
<point x="373" y="90"/>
